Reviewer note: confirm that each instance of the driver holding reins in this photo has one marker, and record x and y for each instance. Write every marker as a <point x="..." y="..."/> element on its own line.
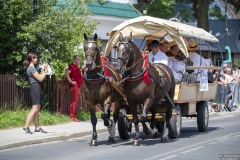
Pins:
<point x="156" y="55"/>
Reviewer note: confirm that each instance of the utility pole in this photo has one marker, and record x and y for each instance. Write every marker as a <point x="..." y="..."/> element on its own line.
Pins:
<point x="228" y="61"/>
<point x="226" y="27"/>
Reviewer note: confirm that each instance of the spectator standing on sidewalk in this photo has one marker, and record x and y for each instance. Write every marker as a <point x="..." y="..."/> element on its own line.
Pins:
<point x="35" y="92"/>
<point x="75" y="78"/>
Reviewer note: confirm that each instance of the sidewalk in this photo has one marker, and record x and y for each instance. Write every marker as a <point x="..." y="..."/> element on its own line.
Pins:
<point x="11" y="138"/>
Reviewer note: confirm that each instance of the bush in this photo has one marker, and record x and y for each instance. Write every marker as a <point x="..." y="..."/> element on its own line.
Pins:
<point x="82" y="115"/>
<point x="17" y="118"/>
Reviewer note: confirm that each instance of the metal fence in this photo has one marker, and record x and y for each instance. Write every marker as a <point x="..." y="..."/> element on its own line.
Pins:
<point x="56" y="95"/>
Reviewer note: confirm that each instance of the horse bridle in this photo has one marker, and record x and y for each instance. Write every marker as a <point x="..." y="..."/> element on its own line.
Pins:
<point x="89" y="50"/>
<point x="128" y="51"/>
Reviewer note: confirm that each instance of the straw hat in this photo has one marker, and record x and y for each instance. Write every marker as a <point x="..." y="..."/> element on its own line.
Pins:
<point x="192" y="46"/>
<point x="164" y="42"/>
<point x="172" y="43"/>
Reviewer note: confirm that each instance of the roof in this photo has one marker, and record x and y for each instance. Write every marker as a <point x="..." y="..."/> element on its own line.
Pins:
<point x="113" y="9"/>
<point x="150" y="26"/>
<point x="217" y="28"/>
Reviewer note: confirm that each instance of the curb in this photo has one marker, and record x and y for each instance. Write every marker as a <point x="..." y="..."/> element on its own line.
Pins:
<point x="49" y="139"/>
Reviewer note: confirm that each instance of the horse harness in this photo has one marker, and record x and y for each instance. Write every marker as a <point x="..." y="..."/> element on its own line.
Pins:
<point x="161" y="74"/>
<point x="161" y="84"/>
<point x="129" y="51"/>
<point x="89" y="50"/>
<point x="94" y="79"/>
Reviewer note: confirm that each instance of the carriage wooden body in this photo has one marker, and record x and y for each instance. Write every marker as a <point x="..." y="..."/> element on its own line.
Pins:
<point x="189" y="101"/>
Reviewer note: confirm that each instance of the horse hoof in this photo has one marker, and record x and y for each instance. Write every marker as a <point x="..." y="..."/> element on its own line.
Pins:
<point x="164" y="139"/>
<point x="155" y="133"/>
<point x="111" y="139"/>
<point x="150" y="135"/>
<point x="135" y="142"/>
<point x="93" y="142"/>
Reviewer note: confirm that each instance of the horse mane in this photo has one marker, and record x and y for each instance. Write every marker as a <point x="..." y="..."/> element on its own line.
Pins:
<point x="137" y="55"/>
<point x="98" y="58"/>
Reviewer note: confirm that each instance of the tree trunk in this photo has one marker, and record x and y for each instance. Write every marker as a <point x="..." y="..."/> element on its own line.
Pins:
<point x="201" y="13"/>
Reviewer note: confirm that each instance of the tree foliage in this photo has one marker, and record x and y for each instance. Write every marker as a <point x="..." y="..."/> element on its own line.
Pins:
<point x="161" y="9"/>
<point x="235" y="4"/>
<point x="200" y="9"/>
<point x="215" y="11"/>
<point x="57" y="32"/>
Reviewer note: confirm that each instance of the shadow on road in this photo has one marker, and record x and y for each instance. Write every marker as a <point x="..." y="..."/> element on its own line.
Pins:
<point x="193" y="131"/>
<point x="128" y="142"/>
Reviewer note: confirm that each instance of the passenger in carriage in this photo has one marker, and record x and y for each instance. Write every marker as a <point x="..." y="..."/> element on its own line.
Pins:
<point x="197" y="59"/>
<point x="156" y="55"/>
<point x="173" y="51"/>
<point x="178" y="62"/>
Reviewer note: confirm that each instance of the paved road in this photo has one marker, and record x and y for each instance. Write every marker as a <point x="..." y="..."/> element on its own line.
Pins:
<point x="221" y="140"/>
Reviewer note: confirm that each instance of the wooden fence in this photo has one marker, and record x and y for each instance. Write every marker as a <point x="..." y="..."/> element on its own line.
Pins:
<point x="56" y="95"/>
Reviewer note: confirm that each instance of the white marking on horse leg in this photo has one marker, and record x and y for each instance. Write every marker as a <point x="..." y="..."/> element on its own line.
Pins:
<point x="112" y="133"/>
<point x="165" y="132"/>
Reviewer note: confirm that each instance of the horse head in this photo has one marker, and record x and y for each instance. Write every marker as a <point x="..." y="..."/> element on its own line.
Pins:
<point x="90" y="51"/>
<point x="124" y="49"/>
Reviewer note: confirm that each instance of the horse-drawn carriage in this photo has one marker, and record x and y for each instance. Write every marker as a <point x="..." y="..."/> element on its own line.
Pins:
<point x="150" y="92"/>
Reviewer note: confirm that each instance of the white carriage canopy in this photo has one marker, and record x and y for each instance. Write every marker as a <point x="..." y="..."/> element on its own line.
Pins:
<point x="150" y="26"/>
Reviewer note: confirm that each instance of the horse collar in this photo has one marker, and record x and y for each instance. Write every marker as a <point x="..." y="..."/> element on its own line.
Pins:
<point x="135" y="75"/>
<point x="96" y="78"/>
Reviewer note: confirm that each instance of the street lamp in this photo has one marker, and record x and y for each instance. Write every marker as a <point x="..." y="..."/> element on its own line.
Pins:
<point x="226" y="29"/>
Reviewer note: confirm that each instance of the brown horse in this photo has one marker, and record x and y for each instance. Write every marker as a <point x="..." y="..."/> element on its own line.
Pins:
<point x="131" y="64"/>
<point x="97" y="91"/>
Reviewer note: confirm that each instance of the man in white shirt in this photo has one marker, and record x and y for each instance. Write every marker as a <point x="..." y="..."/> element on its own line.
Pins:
<point x="197" y="59"/>
<point x="157" y="56"/>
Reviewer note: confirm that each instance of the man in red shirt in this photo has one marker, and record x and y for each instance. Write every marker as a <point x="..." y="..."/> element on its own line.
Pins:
<point x="75" y="78"/>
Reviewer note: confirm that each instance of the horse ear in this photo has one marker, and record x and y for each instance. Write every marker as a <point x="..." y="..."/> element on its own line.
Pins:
<point x="95" y="37"/>
<point x="130" y="38"/>
<point x="120" y="36"/>
<point x="85" y="37"/>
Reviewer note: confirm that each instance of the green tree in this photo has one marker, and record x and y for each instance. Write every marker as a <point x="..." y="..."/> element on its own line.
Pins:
<point x="57" y="31"/>
<point x="201" y="10"/>
<point x="161" y="9"/>
<point x="235" y="4"/>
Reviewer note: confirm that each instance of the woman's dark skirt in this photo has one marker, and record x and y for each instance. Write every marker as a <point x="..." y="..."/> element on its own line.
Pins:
<point x="36" y="94"/>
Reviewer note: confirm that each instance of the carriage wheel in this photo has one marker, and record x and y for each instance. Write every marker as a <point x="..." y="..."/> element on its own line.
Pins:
<point x="175" y="124"/>
<point x="124" y="125"/>
<point x="202" y="116"/>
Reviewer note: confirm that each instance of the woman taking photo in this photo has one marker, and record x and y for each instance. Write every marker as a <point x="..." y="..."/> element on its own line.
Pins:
<point x="35" y="92"/>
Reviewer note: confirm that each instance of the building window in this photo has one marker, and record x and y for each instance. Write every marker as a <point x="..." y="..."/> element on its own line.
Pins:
<point x="218" y="59"/>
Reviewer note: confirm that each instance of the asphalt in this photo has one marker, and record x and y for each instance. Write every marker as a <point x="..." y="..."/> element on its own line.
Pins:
<point x="12" y="138"/>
